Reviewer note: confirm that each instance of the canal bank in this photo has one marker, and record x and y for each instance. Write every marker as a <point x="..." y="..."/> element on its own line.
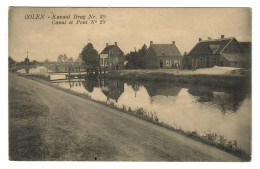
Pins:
<point x="89" y="89"/>
<point x="213" y="80"/>
<point x="96" y="132"/>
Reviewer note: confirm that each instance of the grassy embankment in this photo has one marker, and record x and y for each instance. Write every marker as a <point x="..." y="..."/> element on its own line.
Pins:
<point x="212" y="139"/>
<point x="224" y="80"/>
<point x="26" y="123"/>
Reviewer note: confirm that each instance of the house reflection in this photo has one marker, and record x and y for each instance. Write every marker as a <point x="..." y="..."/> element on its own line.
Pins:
<point x="113" y="89"/>
<point x="226" y="102"/>
<point x="162" y="89"/>
<point x="203" y="96"/>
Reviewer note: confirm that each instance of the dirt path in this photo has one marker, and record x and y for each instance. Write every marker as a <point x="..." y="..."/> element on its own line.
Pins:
<point x="79" y="129"/>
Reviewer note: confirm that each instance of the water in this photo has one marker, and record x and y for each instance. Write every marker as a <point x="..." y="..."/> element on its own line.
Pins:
<point x="200" y="109"/>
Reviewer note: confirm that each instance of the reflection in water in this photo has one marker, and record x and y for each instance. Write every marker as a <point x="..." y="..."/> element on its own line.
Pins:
<point x="191" y="109"/>
<point x="204" y="96"/>
<point x="113" y="89"/>
<point x="90" y="83"/>
<point x="226" y="102"/>
<point x="27" y="69"/>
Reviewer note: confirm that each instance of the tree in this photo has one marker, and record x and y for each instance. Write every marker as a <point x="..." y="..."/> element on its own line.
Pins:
<point x="90" y="56"/>
<point x="132" y="60"/>
<point x="60" y="58"/>
<point x="143" y="50"/>
<point x="142" y="53"/>
<point x="11" y="61"/>
<point x="135" y="60"/>
<point x="65" y="58"/>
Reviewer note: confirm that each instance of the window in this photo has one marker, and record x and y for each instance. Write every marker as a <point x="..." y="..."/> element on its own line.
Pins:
<point x="116" y="60"/>
<point x="105" y="62"/>
<point x="101" y="61"/>
<point x="167" y="63"/>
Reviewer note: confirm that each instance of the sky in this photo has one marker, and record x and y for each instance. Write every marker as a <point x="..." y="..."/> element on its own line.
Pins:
<point x="129" y="27"/>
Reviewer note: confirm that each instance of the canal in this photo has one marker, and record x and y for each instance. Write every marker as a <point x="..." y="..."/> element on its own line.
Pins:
<point x="205" y="110"/>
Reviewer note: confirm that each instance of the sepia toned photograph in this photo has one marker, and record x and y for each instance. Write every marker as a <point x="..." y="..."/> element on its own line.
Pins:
<point x="130" y="84"/>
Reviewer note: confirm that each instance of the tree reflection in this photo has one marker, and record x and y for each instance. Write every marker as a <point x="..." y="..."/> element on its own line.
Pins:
<point x="90" y="83"/>
<point x="226" y="102"/>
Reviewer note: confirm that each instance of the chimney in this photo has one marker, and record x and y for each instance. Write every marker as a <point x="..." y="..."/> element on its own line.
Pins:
<point x="200" y="39"/>
<point x="209" y="38"/>
<point x="222" y="36"/>
<point x="173" y="42"/>
<point x="107" y="44"/>
<point x="151" y="42"/>
<point x="115" y="43"/>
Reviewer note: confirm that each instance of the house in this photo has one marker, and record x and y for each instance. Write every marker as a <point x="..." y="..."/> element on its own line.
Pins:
<point x="162" y="56"/>
<point x="112" y="57"/>
<point x="248" y="51"/>
<point x="227" y="52"/>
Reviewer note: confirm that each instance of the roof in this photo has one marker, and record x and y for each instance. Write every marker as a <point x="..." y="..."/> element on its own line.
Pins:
<point x="235" y="57"/>
<point x="107" y="49"/>
<point x="247" y="46"/>
<point x="166" y="50"/>
<point x="215" y="45"/>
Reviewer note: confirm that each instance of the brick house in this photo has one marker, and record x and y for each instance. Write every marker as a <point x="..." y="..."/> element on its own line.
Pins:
<point x="112" y="57"/>
<point x="227" y="52"/>
<point x="162" y="56"/>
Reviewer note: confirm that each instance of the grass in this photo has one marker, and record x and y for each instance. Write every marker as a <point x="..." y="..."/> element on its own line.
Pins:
<point x="227" y="81"/>
<point x="26" y="141"/>
<point x="210" y="138"/>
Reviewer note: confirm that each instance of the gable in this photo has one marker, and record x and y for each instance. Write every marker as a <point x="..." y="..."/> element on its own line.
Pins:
<point x="233" y="47"/>
<point x="107" y="49"/>
<point x="207" y="46"/>
<point x="116" y="50"/>
<point x="150" y="53"/>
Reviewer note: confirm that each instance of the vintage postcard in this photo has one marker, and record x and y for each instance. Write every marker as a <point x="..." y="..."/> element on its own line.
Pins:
<point x="130" y="84"/>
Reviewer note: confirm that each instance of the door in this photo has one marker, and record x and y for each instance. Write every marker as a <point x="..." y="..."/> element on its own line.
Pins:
<point x="161" y="64"/>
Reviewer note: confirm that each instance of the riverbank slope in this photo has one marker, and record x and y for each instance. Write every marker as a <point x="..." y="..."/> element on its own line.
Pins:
<point x="236" y="78"/>
<point x="69" y="127"/>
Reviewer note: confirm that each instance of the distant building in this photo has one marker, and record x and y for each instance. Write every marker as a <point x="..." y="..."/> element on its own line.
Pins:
<point x="112" y="57"/>
<point x="26" y="60"/>
<point x="227" y="52"/>
<point x="162" y="56"/>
